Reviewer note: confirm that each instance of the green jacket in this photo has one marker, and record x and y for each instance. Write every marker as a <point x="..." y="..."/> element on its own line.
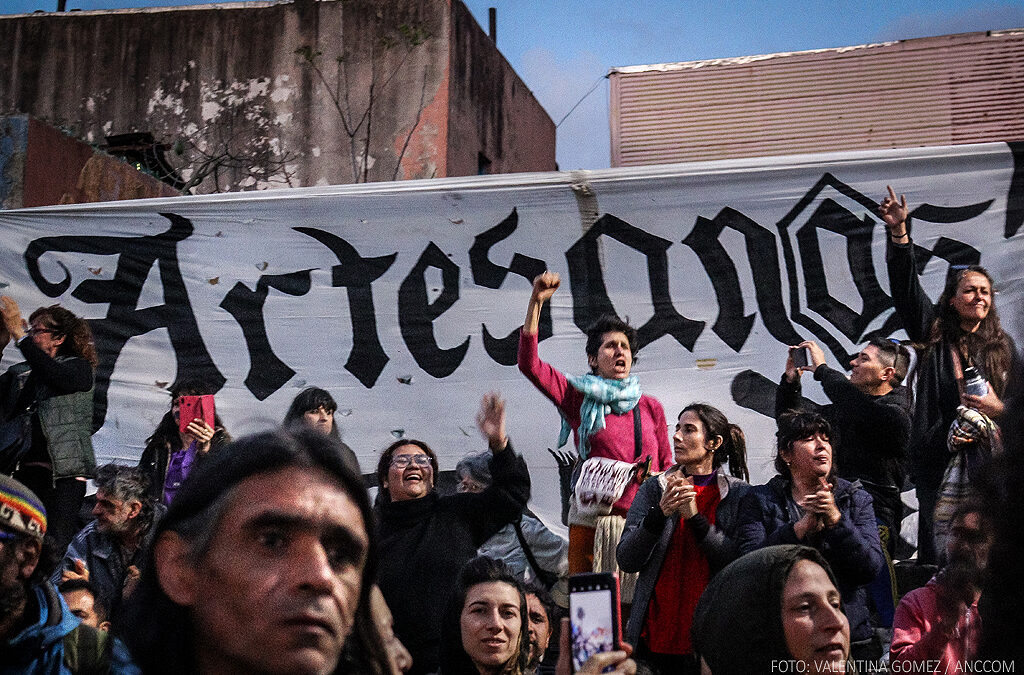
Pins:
<point x="66" y="421"/>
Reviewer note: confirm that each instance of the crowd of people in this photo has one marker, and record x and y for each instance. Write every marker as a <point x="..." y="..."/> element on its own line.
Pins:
<point x="266" y="554"/>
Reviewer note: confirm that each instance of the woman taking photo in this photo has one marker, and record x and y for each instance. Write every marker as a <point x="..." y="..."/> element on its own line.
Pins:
<point x="679" y="532"/>
<point x="610" y="419"/>
<point x="960" y="331"/>
<point x="808" y="504"/>
<point x="54" y="385"/>
<point x="774" y="610"/>
<point x="170" y="453"/>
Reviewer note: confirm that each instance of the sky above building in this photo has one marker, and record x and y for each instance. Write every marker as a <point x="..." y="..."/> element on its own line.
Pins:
<point x="563" y="49"/>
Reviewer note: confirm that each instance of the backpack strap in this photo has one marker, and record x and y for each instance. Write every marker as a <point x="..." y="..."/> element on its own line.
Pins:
<point x="638" y="441"/>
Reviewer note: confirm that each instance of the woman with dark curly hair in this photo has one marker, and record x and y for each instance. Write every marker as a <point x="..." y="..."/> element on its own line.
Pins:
<point x="53" y="383"/>
<point x="960" y="332"/>
<point x="171" y="448"/>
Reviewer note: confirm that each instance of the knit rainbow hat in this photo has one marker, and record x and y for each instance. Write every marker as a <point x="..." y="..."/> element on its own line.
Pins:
<point x="20" y="509"/>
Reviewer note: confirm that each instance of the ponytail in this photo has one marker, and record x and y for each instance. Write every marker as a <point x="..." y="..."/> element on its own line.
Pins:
<point x="734" y="451"/>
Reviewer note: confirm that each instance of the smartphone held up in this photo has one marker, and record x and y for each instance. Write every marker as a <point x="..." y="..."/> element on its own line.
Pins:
<point x="801" y="356"/>
<point x="195" y="407"/>
<point x="594" y="615"/>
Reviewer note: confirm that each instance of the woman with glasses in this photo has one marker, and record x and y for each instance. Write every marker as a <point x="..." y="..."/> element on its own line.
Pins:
<point x="957" y="336"/>
<point x="425" y="538"/>
<point x="53" y="387"/>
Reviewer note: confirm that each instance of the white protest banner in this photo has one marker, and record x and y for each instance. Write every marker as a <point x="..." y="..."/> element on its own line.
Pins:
<point x="403" y="299"/>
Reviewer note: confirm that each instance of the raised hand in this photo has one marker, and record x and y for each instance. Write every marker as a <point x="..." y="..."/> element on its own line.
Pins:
<point x="491" y="421"/>
<point x="894" y="213"/>
<point x="80" y="572"/>
<point x="544" y="286"/>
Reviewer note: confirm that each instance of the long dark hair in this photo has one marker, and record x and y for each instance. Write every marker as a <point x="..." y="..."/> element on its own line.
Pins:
<point x="167" y="433"/>
<point x="311" y="399"/>
<point x="74" y="329"/>
<point x="481" y="570"/>
<point x="733" y="448"/>
<point x="159" y="632"/>
<point x="989" y="341"/>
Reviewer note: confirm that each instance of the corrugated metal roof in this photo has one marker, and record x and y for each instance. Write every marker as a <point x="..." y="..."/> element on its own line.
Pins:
<point x="953" y="89"/>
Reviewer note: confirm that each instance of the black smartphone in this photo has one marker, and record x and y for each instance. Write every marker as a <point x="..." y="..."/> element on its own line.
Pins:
<point x="594" y="615"/>
<point x="801" y="356"/>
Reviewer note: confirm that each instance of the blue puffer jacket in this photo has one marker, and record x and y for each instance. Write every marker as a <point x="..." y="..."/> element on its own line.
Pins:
<point x="851" y="546"/>
<point x="39" y="648"/>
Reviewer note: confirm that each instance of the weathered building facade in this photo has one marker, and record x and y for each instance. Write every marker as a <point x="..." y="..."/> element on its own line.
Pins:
<point x="945" y="90"/>
<point x="289" y="93"/>
<point x="40" y="165"/>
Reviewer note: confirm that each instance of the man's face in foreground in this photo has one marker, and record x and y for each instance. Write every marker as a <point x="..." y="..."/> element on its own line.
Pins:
<point x="278" y="588"/>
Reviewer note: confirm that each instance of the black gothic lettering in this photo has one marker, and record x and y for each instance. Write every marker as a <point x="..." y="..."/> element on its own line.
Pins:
<point x="356" y="274"/>
<point x="489" y="275"/>
<point x="267" y="373"/>
<point x="590" y="295"/>
<point x="416" y="314"/>
<point x="136" y="257"/>
<point x="1015" y="197"/>
<point x="732" y="325"/>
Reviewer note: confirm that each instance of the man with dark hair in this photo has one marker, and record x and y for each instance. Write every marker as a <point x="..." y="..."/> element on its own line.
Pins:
<point x="938" y="624"/>
<point x="38" y="633"/>
<point x="80" y="596"/>
<point x="263" y="563"/>
<point x="108" y="552"/>
<point x="541" y="613"/>
<point x="870" y="412"/>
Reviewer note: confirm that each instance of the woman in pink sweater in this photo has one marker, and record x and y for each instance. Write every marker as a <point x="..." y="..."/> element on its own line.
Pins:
<point x="602" y="409"/>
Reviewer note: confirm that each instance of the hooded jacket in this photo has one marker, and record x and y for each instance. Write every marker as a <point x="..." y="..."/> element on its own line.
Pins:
<point x="851" y="546"/>
<point x="737" y="627"/>
<point x="873" y="435"/>
<point x="41" y="647"/>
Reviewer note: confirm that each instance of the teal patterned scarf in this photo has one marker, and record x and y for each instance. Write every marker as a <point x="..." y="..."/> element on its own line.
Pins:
<point x="601" y="397"/>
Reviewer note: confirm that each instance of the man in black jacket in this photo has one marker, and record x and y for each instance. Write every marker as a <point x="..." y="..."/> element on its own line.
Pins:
<point x="870" y="411"/>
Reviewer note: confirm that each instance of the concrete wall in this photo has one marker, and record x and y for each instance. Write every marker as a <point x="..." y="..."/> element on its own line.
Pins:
<point x="213" y="79"/>
<point x="492" y="110"/>
<point x="40" y="166"/>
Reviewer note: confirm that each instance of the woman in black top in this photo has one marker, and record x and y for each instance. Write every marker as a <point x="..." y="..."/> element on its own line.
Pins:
<point x="54" y="382"/>
<point x="962" y="329"/>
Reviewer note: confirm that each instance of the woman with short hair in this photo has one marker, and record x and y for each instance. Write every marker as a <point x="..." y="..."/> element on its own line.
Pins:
<point x="806" y="503"/>
<point x="610" y="418"/>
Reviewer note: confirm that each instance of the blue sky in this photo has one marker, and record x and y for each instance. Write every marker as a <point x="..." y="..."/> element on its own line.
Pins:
<point x="561" y="48"/>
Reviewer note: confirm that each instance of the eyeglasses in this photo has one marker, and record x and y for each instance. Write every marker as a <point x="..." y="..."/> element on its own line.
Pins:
<point x="8" y="536"/>
<point x="39" y="331"/>
<point x="402" y="461"/>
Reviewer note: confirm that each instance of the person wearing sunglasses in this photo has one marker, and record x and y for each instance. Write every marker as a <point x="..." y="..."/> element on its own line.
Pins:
<point x="958" y="333"/>
<point x="426" y="538"/>
<point x="50" y="391"/>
